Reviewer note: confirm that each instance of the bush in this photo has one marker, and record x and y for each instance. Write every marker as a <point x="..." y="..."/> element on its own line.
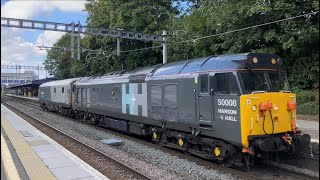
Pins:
<point x="307" y="102"/>
<point x="304" y="96"/>
<point x="309" y="108"/>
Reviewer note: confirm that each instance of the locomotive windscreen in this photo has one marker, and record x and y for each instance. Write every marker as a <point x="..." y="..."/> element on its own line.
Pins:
<point x="270" y="81"/>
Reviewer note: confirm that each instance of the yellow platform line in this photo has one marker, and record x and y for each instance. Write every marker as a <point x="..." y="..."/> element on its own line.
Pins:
<point x="34" y="166"/>
<point x="8" y="164"/>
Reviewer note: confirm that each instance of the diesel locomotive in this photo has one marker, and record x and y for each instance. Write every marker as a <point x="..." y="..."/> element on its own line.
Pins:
<point x="229" y="108"/>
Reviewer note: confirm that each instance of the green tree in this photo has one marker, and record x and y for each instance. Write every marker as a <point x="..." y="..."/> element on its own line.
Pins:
<point x="295" y="40"/>
<point x="58" y="61"/>
<point x="146" y="16"/>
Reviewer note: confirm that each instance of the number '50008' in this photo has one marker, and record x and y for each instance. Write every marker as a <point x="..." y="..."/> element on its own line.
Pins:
<point x="227" y="102"/>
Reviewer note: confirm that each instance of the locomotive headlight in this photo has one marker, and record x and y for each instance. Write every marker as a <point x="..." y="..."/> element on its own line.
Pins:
<point x="273" y="61"/>
<point x="276" y="107"/>
<point x="254" y="108"/>
<point x="255" y="59"/>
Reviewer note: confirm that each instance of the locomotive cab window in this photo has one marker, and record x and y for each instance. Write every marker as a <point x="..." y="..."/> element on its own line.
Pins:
<point x="224" y="83"/>
<point x="268" y="81"/>
<point x="204" y="83"/>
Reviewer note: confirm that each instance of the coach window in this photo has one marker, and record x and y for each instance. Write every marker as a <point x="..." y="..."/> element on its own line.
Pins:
<point x="204" y="83"/>
<point x="62" y="90"/>
<point x="225" y="83"/>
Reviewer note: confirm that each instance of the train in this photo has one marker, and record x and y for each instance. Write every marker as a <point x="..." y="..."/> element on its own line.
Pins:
<point x="229" y="108"/>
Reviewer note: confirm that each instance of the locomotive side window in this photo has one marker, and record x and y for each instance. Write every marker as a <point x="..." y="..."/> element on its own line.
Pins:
<point x="54" y="90"/>
<point x="62" y="90"/>
<point x="225" y="83"/>
<point x="204" y="83"/>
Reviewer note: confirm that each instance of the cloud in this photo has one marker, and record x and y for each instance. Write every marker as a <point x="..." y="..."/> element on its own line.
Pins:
<point x="16" y="50"/>
<point x="48" y="38"/>
<point x="31" y="9"/>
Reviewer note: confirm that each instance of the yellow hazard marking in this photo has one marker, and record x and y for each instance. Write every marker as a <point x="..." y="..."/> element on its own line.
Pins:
<point x="281" y="125"/>
<point x="155" y="135"/>
<point x="9" y="167"/>
<point x="180" y="142"/>
<point x="217" y="151"/>
<point x="33" y="165"/>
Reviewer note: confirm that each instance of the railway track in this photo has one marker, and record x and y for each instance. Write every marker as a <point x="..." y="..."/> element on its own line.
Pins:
<point x="62" y="135"/>
<point x="236" y="173"/>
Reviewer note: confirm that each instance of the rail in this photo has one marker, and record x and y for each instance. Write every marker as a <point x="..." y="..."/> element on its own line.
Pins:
<point x="135" y="172"/>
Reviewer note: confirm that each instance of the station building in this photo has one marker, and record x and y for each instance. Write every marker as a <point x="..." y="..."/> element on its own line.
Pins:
<point x="18" y="78"/>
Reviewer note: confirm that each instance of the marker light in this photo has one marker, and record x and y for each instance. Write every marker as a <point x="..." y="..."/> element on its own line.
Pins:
<point x="255" y="60"/>
<point x="276" y="107"/>
<point x="273" y="61"/>
<point x="279" y="61"/>
<point x="254" y="108"/>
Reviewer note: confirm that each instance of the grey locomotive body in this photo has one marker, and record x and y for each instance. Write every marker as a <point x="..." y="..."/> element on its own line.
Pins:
<point x="191" y="105"/>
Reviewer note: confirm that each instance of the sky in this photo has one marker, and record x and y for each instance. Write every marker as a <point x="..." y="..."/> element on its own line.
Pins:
<point x="18" y="46"/>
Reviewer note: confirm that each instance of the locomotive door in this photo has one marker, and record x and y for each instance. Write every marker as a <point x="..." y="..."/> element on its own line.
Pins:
<point x="205" y="102"/>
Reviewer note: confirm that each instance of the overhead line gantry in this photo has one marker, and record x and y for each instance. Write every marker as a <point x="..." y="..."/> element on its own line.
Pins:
<point x="79" y="29"/>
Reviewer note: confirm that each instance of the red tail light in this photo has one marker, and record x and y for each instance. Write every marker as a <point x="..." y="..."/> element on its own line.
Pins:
<point x="292" y="105"/>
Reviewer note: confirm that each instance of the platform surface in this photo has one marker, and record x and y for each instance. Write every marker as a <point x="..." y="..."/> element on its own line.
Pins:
<point x="309" y="127"/>
<point x="41" y="157"/>
<point x="25" y="97"/>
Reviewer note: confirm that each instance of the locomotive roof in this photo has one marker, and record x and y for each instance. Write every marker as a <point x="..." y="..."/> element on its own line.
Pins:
<point x="210" y="63"/>
<point x="59" y="82"/>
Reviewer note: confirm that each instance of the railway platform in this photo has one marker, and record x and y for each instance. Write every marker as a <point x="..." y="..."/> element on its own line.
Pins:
<point x="23" y="97"/>
<point x="27" y="153"/>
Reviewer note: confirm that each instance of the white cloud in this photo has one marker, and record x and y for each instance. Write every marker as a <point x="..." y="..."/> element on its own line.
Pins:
<point x="14" y="48"/>
<point x="48" y="38"/>
<point x="31" y="9"/>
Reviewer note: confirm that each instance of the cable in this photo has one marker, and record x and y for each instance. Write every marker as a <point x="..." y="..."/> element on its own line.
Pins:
<point x="263" y="125"/>
<point x="228" y="32"/>
<point x="140" y="49"/>
<point x="250" y="27"/>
